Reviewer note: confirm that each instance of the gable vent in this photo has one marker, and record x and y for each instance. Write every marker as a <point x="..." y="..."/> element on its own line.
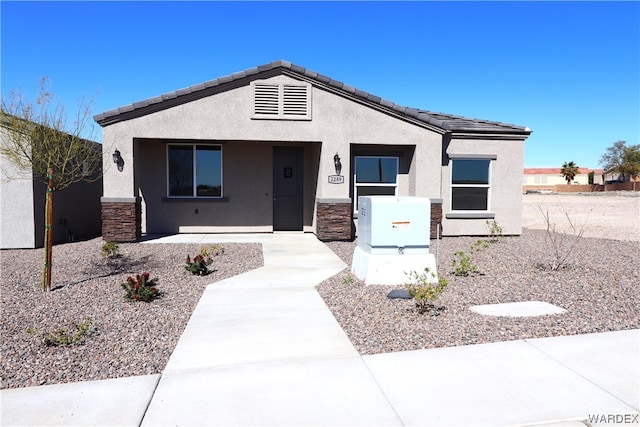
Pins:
<point x="266" y="99"/>
<point x="294" y="100"/>
<point x="281" y="101"/>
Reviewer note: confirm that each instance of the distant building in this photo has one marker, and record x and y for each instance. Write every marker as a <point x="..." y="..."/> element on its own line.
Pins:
<point x="611" y="176"/>
<point x="547" y="178"/>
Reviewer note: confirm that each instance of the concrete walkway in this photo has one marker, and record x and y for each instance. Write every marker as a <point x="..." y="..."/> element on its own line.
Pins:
<point x="262" y="348"/>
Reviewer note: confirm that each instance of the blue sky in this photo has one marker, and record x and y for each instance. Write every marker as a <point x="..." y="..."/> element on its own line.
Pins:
<point x="569" y="71"/>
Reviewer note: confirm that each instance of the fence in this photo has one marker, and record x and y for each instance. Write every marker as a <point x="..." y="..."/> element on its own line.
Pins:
<point x="577" y="188"/>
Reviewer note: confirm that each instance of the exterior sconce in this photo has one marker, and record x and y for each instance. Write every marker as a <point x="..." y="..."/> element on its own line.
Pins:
<point x="117" y="159"/>
<point x="337" y="178"/>
<point x="337" y="164"/>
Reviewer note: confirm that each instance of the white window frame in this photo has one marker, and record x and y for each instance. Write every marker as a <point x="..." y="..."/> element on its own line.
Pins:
<point x="281" y="101"/>
<point x="356" y="184"/>
<point x="490" y="160"/>
<point x="195" y="171"/>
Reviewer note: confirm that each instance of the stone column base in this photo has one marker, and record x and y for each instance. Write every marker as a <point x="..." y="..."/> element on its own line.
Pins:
<point x="436" y="217"/>
<point x="121" y="219"/>
<point x="334" y="219"/>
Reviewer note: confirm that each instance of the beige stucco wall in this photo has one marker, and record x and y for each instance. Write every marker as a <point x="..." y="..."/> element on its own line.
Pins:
<point x="546" y="179"/>
<point x="22" y="204"/>
<point x="337" y="126"/>
<point x="505" y="191"/>
<point x="17" y="224"/>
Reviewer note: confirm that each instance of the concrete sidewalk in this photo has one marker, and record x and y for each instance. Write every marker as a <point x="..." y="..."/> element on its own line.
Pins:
<point x="262" y="348"/>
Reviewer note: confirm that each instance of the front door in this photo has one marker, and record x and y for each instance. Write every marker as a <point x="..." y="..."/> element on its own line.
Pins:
<point x="287" y="188"/>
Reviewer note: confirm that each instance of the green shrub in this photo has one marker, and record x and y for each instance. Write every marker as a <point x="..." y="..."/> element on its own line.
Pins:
<point x="462" y="265"/>
<point x="211" y="250"/>
<point x="199" y="265"/>
<point x="141" y="288"/>
<point x="495" y="231"/>
<point x="479" y="245"/>
<point x="424" y="292"/>
<point x="348" y="280"/>
<point x="62" y="338"/>
<point x="110" y="249"/>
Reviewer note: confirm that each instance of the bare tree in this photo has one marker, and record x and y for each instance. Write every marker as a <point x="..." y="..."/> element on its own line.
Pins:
<point x="41" y="141"/>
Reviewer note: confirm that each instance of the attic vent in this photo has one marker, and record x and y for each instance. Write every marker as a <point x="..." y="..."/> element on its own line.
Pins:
<point x="281" y="101"/>
<point x="266" y="99"/>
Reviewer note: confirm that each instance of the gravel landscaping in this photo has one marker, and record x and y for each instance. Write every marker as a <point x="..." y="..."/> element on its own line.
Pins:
<point x="598" y="289"/>
<point x="128" y="338"/>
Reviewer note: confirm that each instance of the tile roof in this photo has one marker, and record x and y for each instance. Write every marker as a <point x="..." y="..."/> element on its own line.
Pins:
<point x="446" y="122"/>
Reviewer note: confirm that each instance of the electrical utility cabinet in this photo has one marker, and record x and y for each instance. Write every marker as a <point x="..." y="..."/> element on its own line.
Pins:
<point x="391" y="225"/>
<point x="393" y="240"/>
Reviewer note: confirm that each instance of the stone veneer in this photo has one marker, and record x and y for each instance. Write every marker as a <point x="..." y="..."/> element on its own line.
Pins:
<point x="121" y="220"/>
<point x="334" y="219"/>
<point x="436" y="217"/>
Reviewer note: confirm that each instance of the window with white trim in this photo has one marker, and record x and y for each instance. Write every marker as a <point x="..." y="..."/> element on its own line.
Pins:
<point x="374" y="176"/>
<point x="194" y="170"/>
<point x="281" y="101"/>
<point x="470" y="184"/>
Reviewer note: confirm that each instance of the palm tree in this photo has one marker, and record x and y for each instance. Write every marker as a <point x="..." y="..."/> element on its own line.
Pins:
<point x="569" y="171"/>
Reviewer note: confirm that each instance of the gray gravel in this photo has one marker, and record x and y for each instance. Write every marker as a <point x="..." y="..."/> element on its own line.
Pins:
<point x="599" y="289"/>
<point x="130" y="338"/>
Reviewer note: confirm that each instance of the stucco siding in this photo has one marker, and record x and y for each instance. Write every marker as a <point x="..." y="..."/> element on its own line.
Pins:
<point x="17" y="222"/>
<point x="326" y="117"/>
<point x="337" y="125"/>
<point x="247" y="189"/>
<point x="22" y="205"/>
<point x="505" y="186"/>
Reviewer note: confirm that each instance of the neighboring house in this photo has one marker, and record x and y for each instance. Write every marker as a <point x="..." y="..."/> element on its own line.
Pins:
<point x="279" y="147"/>
<point x="22" y="203"/>
<point x="612" y="176"/>
<point x="548" y="177"/>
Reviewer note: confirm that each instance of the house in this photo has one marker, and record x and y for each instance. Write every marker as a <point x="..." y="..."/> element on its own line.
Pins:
<point x="548" y="178"/>
<point x="279" y="147"/>
<point x="612" y="176"/>
<point x="22" y="206"/>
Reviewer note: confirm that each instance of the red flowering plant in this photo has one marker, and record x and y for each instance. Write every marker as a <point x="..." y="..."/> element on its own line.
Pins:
<point x="199" y="265"/>
<point x="141" y="288"/>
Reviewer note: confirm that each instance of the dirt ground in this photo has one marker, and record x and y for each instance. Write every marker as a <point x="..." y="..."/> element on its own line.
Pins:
<point x="614" y="215"/>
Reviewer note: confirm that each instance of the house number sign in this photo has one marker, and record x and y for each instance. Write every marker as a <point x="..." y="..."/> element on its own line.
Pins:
<point x="336" y="179"/>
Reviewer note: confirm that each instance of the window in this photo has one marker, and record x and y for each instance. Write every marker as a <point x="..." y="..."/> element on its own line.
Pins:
<point x="281" y="101"/>
<point x="194" y="170"/>
<point x="374" y="176"/>
<point x="470" y="183"/>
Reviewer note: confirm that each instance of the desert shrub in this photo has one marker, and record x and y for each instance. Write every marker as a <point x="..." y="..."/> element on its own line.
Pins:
<point x="560" y="246"/>
<point x="211" y="250"/>
<point x="495" y="231"/>
<point x="199" y="265"/>
<point x="478" y="245"/>
<point x="424" y="292"/>
<point x="141" y="288"/>
<point x="109" y="249"/>
<point x="348" y="280"/>
<point x="61" y="337"/>
<point x="462" y="264"/>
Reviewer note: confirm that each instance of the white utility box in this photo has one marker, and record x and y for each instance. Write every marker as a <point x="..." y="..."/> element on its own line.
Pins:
<point x="394" y="225"/>
<point x="393" y="239"/>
